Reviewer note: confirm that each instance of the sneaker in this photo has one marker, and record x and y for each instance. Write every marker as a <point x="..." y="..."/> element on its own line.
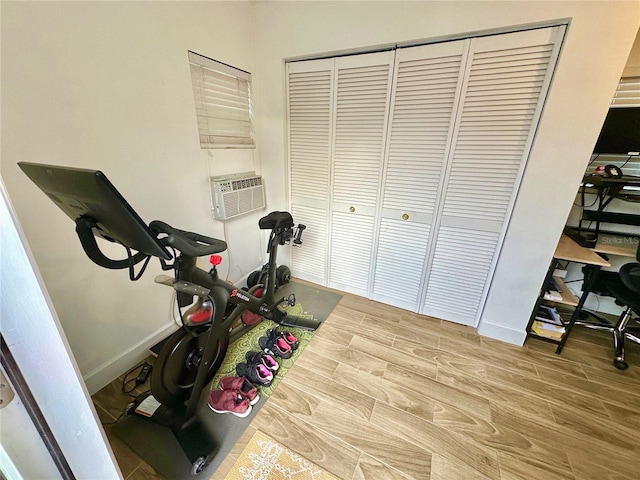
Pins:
<point x="227" y="401"/>
<point x="290" y="339"/>
<point x="242" y="386"/>
<point x="275" y="345"/>
<point x="256" y="373"/>
<point x="265" y="358"/>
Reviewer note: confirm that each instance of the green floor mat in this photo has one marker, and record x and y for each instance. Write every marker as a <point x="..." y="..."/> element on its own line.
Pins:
<point x="310" y="303"/>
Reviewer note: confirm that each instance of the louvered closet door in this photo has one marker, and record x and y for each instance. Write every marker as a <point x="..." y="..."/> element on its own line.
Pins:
<point x="310" y="113"/>
<point x="506" y="80"/>
<point x="425" y="96"/>
<point x="363" y="87"/>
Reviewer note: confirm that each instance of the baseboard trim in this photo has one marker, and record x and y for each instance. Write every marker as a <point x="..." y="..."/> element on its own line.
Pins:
<point x="500" y="332"/>
<point x="108" y="371"/>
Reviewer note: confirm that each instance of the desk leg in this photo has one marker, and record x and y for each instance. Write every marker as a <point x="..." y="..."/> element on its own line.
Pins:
<point x="591" y="274"/>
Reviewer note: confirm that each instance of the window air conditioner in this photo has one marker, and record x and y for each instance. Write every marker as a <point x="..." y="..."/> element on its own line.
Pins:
<point x="235" y="195"/>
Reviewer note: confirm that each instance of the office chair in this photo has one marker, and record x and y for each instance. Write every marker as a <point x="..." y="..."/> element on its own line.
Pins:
<point x="624" y="287"/>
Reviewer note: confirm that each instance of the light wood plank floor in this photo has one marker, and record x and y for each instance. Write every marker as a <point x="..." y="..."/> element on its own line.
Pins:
<point x="381" y="393"/>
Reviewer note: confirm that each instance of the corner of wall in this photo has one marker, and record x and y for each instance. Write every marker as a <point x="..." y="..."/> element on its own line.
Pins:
<point x="502" y="333"/>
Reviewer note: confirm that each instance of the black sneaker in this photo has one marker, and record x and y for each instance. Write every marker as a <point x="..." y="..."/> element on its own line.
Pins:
<point x="290" y="339"/>
<point x="275" y="345"/>
<point x="265" y="358"/>
<point x="256" y="373"/>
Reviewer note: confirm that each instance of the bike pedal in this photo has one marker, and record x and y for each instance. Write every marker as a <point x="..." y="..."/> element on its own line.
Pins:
<point x="291" y="300"/>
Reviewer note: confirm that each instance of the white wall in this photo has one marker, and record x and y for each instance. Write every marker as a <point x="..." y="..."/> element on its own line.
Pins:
<point x="106" y="85"/>
<point x="598" y="41"/>
<point x="632" y="68"/>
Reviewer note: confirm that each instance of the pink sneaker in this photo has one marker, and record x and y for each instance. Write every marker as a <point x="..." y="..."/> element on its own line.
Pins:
<point x="264" y="358"/>
<point x="273" y="344"/>
<point x="256" y="373"/>
<point x="242" y="386"/>
<point x="290" y="339"/>
<point x="228" y="401"/>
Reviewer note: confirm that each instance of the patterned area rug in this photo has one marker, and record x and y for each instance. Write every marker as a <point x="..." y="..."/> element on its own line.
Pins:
<point x="249" y="342"/>
<point x="312" y="303"/>
<point x="265" y="459"/>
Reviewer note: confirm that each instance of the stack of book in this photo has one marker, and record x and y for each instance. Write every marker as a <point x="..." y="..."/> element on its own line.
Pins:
<point x="548" y="323"/>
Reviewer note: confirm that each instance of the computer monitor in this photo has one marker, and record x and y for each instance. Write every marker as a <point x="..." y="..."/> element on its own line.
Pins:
<point x="88" y="193"/>
<point x="620" y="133"/>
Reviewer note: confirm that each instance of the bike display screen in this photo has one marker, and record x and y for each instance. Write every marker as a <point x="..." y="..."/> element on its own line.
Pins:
<point x="89" y="193"/>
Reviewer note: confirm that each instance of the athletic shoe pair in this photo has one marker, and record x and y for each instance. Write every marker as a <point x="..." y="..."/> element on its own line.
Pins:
<point x="259" y="368"/>
<point x="279" y="344"/>
<point x="264" y="358"/>
<point x="237" y="395"/>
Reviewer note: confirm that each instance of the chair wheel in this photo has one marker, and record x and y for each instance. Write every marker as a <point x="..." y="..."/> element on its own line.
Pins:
<point x="620" y="364"/>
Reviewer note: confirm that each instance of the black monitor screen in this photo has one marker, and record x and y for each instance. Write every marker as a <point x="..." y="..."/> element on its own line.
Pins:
<point x="620" y="133"/>
<point x="88" y="193"/>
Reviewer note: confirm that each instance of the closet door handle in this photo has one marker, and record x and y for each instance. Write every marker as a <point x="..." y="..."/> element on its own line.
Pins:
<point x="405" y="216"/>
<point x="352" y="209"/>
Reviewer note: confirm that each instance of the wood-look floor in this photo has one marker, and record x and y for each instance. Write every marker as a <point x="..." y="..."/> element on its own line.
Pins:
<point x="381" y="393"/>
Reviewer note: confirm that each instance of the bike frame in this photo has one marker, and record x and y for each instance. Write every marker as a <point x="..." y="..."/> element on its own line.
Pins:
<point x="221" y="293"/>
<point x="187" y="270"/>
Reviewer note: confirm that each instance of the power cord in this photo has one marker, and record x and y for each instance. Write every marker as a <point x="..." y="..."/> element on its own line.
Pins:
<point x="139" y="379"/>
<point x="114" y="422"/>
<point x="626" y="161"/>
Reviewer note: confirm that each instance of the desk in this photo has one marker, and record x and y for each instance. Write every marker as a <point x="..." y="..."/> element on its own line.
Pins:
<point x="570" y="251"/>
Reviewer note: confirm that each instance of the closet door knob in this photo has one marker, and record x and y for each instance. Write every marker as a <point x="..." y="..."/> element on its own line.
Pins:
<point x="405" y="216"/>
<point x="352" y="209"/>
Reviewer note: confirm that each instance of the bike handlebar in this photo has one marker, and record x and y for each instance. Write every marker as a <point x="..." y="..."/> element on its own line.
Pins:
<point x="188" y="243"/>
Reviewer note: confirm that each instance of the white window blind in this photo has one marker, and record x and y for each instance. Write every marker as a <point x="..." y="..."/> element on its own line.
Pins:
<point x="223" y="103"/>
<point x="628" y="93"/>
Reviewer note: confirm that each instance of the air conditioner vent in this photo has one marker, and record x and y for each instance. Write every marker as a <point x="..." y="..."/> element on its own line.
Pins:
<point x="236" y="195"/>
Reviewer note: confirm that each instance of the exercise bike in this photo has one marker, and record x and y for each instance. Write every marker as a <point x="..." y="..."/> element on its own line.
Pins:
<point x="183" y="353"/>
<point x="192" y="355"/>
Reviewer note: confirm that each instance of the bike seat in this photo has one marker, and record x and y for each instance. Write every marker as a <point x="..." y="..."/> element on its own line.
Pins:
<point x="276" y="220"/>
